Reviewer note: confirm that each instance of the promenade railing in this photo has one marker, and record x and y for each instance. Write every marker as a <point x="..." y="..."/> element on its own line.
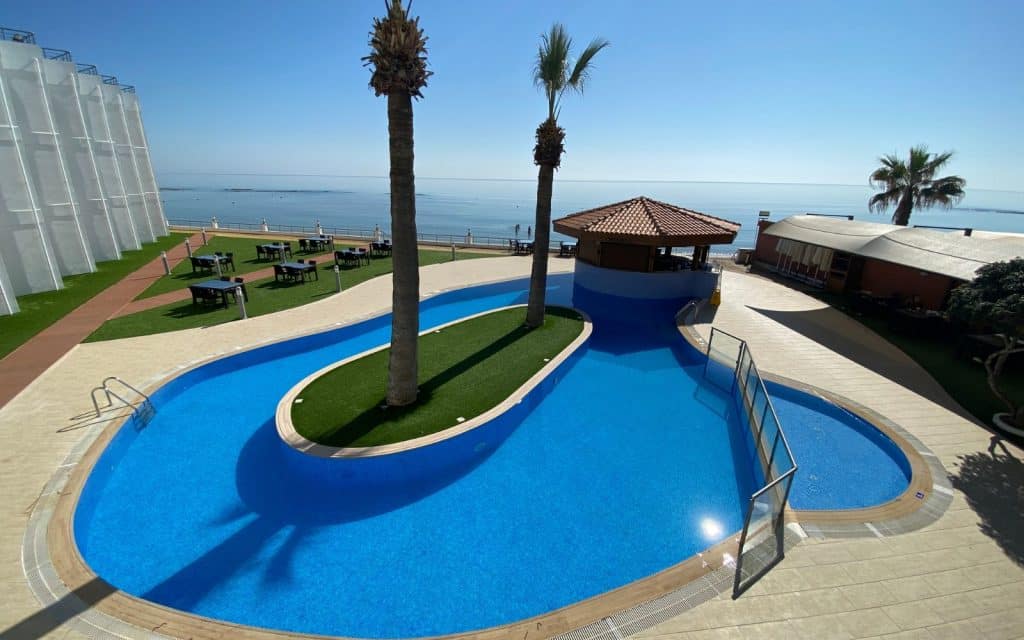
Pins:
<point x="762" y="543"/>
<point x="440" y="239"/>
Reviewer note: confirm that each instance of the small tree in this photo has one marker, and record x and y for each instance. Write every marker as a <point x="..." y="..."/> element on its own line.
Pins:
<point x="996" y="299"/>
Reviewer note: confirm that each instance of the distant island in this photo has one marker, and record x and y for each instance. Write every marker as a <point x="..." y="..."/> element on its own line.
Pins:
<point x="983" y="210"/>
<point x="238" y="190"/>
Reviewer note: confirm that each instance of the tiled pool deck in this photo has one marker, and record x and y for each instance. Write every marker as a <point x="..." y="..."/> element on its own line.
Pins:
<point x="959" y="577"/>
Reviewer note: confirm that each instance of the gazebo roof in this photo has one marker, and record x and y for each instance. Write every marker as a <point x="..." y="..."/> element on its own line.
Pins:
<point x="650" y="222"/>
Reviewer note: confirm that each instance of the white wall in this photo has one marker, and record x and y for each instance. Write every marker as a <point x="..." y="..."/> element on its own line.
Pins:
<point x="24" y="244"/>
<point x="649" y="286"/>
<point x="126" y="162"/>
<point x="40" y="147"/>
<point x="90" y="96"/>
<point x="8" y="301"/>
<point x="140" y="148"/>
<point x="76" y="149"/>
<point x="76" y="184"/>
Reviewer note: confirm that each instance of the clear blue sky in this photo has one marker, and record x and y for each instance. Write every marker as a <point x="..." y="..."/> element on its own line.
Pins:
<point x="733" y="91"/>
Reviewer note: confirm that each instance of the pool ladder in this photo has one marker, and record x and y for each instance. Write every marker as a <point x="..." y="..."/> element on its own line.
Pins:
<point x="142" y="412"/>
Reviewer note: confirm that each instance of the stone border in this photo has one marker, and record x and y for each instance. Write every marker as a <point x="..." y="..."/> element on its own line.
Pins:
<point x="907" y="512"/>
<point x="286" y="430"/>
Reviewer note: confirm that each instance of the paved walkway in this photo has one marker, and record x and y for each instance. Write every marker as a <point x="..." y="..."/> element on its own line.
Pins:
<point x="24" y="364"/>
<point x="961" y="577"/>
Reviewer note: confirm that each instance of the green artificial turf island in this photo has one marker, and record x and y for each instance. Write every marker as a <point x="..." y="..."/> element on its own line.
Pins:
<point x="465" y="370"/>
<point x="265" y="296"/>
<point x="40" y="310"/>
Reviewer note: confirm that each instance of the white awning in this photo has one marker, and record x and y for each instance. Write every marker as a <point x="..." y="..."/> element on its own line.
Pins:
<point x="949" y="253"/>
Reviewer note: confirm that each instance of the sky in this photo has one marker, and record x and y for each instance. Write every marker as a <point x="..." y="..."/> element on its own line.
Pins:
<point x="801" y="92"/>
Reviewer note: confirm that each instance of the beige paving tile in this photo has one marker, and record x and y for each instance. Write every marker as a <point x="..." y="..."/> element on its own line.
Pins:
<point x="912" y="615"/>
<point x="866" y="623"/>
<point x="868" y="595"/>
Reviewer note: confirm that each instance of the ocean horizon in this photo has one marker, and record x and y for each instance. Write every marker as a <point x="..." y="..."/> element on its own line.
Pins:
<point x="493" y="207"/>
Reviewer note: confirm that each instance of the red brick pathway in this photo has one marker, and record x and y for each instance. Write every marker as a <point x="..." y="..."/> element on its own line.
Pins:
<point x="27" y="362"/>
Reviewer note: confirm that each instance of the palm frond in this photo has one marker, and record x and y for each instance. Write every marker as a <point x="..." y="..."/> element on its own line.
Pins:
<point x="882" y="201"/>
<point x="944" y="192"/>
<point x="893" y="172"/>
<point x="550" y="72"/>
<point x="581" y="70"/>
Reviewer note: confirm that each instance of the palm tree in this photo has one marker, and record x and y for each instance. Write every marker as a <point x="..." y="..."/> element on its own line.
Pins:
<point x="913" y="184"/>
<point x="398" y="60"/>
<point x="552" y="74"/>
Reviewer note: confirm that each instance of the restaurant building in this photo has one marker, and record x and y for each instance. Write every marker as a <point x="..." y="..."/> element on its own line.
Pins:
<point x="913" y="266"/>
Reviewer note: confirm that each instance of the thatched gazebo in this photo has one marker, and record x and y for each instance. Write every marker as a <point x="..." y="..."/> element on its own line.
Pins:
<point x="638" y="236"/>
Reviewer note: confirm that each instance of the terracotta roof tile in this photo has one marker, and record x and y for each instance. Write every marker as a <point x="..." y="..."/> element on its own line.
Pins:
<point x="650" y="220"/>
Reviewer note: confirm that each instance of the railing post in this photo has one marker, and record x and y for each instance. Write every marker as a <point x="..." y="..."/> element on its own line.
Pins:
<point x="337" y="278"/>
<point x="240" y="297"/>
<point x="188" y="247"/>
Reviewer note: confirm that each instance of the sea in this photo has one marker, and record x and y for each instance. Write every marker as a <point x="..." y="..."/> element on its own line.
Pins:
<point x="493" y="208"/>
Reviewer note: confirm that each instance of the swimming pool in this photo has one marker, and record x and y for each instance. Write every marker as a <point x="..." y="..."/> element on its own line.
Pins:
<point x="628" y="465"/>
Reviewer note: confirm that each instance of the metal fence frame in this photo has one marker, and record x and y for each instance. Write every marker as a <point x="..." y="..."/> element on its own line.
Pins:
<point x="440" y="239"/>
<point x="750" y="389"/>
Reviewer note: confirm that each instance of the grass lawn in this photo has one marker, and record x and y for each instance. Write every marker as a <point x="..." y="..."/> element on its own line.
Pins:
<point x="40" y="310"/>
<point x="245" y="261"/>
<point x="962" y="378"/>
<point x="265" y="296"/>
<point x="465" y="370"/>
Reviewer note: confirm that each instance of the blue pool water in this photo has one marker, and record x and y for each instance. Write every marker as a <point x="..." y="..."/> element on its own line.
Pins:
<point x="845" y="463"/>
<point x="621" y="465"/>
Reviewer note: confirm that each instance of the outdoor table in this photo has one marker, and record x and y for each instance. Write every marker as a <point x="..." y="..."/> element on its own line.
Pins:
<point x="318" y="242"/>
<point x="274" y="250"/>
<point x="352" y="254"/>
<point x="380" y="248"/>
<point x="567" y="249"/>
<point x="221" y="287"/>
<point x="300" y="268"/>
<point x="523" y="248"/>
<point x="209" y="261"/>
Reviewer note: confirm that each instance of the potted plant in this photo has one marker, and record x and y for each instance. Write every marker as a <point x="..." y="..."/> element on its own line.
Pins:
<point x="995" y="299"/>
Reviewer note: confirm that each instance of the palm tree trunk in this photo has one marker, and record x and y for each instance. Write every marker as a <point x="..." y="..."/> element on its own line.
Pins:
<point x="902" y="214"/>
<point x="541" y="239"/>
<point x="403" y="364"/>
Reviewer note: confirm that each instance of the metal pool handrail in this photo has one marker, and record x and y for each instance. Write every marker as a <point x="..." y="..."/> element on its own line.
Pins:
<point x="743" y="368"/>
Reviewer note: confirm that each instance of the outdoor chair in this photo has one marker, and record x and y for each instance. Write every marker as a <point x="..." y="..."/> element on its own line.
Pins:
<point x="304" y="245"/>
<point x="279" y="272"/>
<point x="287" y="249"/>
<point x="312" y="267"/>
<point x="245" y="293"/>
<point x="209" y="295"/>
<point x="261" y="253"/>
<point x="225" y="278"/>
<point x="231" y="259"/>
<point x="196" y="264"/>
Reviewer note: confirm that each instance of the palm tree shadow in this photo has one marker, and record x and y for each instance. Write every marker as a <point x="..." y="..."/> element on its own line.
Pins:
<point x="820" y="325"/>
<point x="991" y="483"/>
